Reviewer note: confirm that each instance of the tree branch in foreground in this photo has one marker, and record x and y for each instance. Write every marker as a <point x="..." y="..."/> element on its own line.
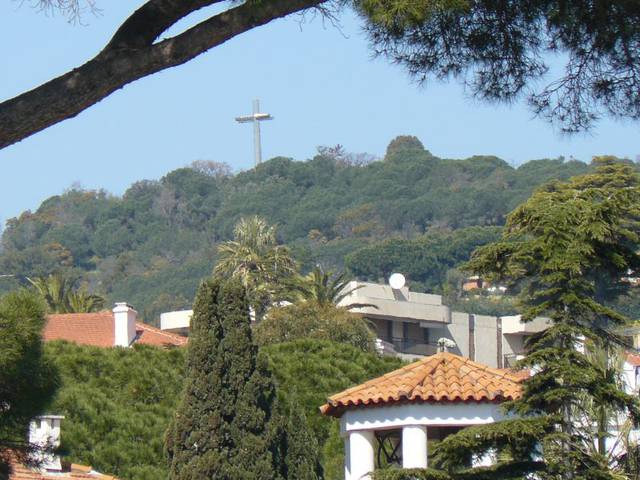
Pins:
<point x="132" y="54"/>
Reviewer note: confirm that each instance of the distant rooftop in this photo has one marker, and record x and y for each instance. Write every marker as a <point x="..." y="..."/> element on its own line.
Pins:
<point x="396" y="304"/>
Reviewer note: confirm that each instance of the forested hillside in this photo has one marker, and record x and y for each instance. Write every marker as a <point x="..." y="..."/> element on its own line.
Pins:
<point x="410" y="211"/>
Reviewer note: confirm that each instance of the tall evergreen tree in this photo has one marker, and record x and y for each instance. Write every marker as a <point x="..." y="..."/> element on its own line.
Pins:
<point x="566" y="251"/>
<point x="227" y="425"/>
<point x="28" y="380"/>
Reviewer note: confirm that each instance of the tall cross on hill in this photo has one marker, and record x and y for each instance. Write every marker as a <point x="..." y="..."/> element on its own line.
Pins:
<point x="256" y="117"/>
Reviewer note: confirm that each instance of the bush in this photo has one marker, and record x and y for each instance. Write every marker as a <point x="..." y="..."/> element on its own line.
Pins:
<point x="307" y="320"/>
<point x="312" y="370"/>
<point x="119" y="402"/>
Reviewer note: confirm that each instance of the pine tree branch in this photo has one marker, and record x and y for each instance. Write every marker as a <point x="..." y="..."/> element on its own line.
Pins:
<point x="131" y="55"/>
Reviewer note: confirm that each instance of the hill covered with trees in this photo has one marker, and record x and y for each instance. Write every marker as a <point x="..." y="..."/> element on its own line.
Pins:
<point x="411" y="211"/>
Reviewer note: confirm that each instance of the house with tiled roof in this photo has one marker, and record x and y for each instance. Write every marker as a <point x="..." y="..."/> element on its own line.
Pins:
<point x="390" y="419"/>
<point x="44" y="432"/>
<point x="118" y="327"/>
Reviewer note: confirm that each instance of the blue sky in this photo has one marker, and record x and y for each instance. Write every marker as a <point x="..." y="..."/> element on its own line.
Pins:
<point x="320" y="83"/>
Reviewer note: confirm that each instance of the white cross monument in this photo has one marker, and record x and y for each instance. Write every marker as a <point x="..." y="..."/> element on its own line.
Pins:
<point x="256" y="117"/>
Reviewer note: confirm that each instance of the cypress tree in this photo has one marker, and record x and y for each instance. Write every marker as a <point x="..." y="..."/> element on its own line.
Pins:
<point x="222" y="428"/>
<point x="228" y="424"/>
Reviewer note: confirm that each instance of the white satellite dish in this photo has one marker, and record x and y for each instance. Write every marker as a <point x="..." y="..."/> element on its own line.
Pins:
<point x="396" y="281"/>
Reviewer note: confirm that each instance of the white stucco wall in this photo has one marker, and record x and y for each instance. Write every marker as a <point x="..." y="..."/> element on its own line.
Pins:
<point x="486" y="334"/>
<point x="396" y="416"/>
<point x="458" y="331"/>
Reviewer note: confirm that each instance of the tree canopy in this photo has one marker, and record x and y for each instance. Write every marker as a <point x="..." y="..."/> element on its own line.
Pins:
<point x="500" y="48"/>
<point x="119" y="402"/>
<point x="566" y="251"/>
<point x="151" y="246"/>
<point x="28" y="379"/>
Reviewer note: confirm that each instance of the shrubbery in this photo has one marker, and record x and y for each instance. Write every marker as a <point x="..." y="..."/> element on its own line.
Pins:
<point x="119" y="402"/>
<point x="308" y="320"/>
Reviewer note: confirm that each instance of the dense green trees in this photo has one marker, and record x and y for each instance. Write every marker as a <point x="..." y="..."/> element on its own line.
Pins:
<point x="117" y="405"/>
<point x="309" y="320"/>
<point x="151" y="246"/>
<point x="28" y="379"/>
<point x="425" y="260"/>
<point x="228" y="423"/>
<point x="119" y="402"/>
<point x="255" y="259"/>
<point x="566" y="251"/>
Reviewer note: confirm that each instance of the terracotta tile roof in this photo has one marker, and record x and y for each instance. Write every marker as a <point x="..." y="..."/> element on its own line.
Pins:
<point x="71" y="472"/>
<point x="443" y="377"/>
<point x="98" y="329"/>
<point x="148" y="335"/>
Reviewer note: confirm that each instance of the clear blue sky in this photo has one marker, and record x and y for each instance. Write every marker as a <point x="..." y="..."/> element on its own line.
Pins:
<point x="320" y="83"/>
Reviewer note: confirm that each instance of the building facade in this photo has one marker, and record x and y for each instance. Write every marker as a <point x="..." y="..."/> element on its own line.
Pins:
<point x="410" y="324"/>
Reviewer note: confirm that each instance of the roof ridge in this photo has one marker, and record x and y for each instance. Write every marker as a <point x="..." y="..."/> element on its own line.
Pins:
<point x="443" y="377"/>
<point x="151" y="328"/>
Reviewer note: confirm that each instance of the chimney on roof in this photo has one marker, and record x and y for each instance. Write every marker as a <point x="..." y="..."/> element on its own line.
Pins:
<point x="44" y="432"/>
<point x="125" y="324"/>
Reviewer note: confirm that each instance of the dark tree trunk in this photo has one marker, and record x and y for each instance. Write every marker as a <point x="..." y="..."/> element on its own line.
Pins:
<point x="132" y="54"/>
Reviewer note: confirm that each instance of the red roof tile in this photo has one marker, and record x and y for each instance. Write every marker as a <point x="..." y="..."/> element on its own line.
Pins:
<point x="443" y="377"/>
<point x="148" y="335"/>
<point x="98" y="329"/>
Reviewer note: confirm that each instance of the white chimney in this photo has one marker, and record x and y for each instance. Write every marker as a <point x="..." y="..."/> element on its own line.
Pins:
<point x="125" y="324"/>
<point x="44" y="431"/>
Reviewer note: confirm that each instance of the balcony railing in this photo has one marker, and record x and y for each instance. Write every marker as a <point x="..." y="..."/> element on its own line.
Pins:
<point x="511" y="359"/>
<point x="393" y="345"/>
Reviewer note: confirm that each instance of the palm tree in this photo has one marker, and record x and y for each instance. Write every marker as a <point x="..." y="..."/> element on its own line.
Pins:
<point x="610" y="434"/>
<point x="81" y="301"/>
<point x="61" y="296"/>
<point x="326" y="288"/>
<point x="253" y="256"/>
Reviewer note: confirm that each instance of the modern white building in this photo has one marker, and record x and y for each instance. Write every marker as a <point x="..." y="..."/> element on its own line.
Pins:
<point x="409" y="324"/>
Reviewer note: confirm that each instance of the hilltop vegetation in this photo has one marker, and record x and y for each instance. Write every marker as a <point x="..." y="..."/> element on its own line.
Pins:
<point x="151" y="246"/>
<point x="119" y="402"/>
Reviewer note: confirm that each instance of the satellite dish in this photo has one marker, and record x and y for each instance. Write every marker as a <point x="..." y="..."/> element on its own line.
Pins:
<point x="396" y="281"/>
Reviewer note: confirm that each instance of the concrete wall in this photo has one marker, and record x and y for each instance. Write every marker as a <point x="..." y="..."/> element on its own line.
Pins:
<point x="486" y="340"/>
<point x="458" y="331"/>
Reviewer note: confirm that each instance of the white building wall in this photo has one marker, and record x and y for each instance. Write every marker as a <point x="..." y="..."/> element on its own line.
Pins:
<point x="486" y="340"/>
<point x="398" y="416"/>
<point x="458" y="331"/>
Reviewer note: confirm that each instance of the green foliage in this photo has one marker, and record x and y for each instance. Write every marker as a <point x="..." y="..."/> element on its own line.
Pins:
<point x="566" y="251"/>
<point x="310" y="371"/>
<point x="151" y="246"/>
<point x="225" y="425"/>
<point x="425" y="260"/>
<point x="119" y="402"/>
<point x="411" y="474"/>
<point x="402" y="145"/>
<point x="309" y="320"/>
<point x="257" y="261"/>
<point x="502" y="51"/>
<point x="61" y="295"/>
<point x="322" y="288"/>
<point x="117" y="405"/>
<point x="28" y="379"/>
